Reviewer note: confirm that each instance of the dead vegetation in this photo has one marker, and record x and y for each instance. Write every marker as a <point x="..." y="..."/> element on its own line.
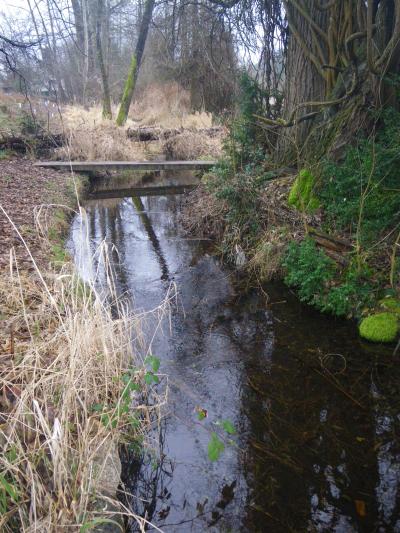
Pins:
<point x="167" y="105"/>
<point x="81" y="134"/>
<point x="205" y="216"/>
<point x="191" y="145"/>
<point x="103" y="142"/>
<point x="163" y="107"/>
<point x="71" y="382"/>
<point x="24" y="187"/>
<point x="71" y="385"/>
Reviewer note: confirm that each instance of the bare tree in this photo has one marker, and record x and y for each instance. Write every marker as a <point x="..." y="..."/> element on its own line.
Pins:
<point x="100" y="56"/>
<point x="135" y="63"/>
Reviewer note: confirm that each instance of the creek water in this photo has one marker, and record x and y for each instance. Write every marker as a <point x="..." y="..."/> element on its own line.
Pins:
<point x="316" y="411"/>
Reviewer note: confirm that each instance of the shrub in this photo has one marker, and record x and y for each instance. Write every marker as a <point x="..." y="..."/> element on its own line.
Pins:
<point x="308" y="269"/>
<point x="381" y="327"/>
<point x="368" y="174"/>
<point x="320" y="283"/>
<point x="301" y="194"/>
<point x="349" y="298"/>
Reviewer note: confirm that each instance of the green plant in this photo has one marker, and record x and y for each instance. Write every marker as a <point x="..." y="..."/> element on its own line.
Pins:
<point x="8" y="493"/>
<point x="308" y="269"/>
<point x="118" y="413"/>
<point x="353" y="293"/>
<point x="153" y="364"/>
<point x="320" y="283"/>
<point x="381" y="327"/>
<point x="59" y="255"/>
<point x="215" y="447"/>
<point x="244" y="130"/>
<point x="301" y="194"/>
<point x="366" y="180"/>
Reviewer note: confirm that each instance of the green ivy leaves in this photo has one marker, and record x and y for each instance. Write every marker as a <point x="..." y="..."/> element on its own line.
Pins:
<point x="215" y="447"/>
<point x="153" y="364"/>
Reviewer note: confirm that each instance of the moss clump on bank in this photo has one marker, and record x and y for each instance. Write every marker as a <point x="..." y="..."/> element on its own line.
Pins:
<point x="381" y="327"/>
<point x="301" y="194"/>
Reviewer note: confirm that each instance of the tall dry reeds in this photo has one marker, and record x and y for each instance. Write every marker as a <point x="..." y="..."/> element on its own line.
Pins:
<point x="72" y="386"/>
<point x="90" y="137"/>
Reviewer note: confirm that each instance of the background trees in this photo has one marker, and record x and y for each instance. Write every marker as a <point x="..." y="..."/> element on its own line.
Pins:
<point x="314" y="60"/>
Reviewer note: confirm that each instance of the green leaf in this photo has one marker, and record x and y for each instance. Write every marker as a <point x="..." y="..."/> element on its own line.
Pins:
<point x="148" y="377"/>
<point x="215" y="447"/>
<point x="228" y="427"/>
<point x="154" y="362"/>
<point x="9" y="489"/>
<point x="97" y="407"/>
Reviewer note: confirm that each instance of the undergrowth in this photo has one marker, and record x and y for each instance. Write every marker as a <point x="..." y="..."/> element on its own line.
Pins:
<point x="321" y="283"/>
<point x="361" y="193"/>
<point x="72" y="388"/>
<point x="353" y="198"/>
<point x="241" y="173"/>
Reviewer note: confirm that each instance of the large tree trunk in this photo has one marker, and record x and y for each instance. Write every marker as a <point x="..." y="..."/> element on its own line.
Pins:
<point x="303" y="82"/>
<point x="135" y="63"/>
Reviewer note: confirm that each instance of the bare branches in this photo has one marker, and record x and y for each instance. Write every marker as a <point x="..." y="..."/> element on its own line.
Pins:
<point x="18" y="44"/>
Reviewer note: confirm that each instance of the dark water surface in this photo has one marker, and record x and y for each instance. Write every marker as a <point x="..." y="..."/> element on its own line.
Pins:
<point x="316" y="410"/>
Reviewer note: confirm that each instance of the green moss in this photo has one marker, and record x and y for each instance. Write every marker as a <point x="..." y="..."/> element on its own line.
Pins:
<point x="301" y="194"/>
<point x="381" y="327"/>
<point x="128" y="92"/>
<point x="391" y="304"/>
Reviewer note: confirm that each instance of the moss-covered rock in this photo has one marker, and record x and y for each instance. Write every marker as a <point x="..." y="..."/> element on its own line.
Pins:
<point x="301" y="194"/>
<point x="391" y="304"/>
<point x="381" y="327"/>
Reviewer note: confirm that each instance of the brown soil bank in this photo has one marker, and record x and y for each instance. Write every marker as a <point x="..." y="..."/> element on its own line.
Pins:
<point x="23" y="190"/>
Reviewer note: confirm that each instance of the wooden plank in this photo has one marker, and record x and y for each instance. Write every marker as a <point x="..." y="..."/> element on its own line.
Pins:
<point x="90" y="166"/>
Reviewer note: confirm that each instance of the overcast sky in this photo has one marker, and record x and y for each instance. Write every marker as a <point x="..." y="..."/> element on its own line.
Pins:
<point x="13" y="6"/>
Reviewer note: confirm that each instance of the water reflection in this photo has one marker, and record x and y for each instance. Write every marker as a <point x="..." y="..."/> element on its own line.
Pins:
<point x="316" y="410"/>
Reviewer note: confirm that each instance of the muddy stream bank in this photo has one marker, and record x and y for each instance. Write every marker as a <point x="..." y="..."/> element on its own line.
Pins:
<point x="316" y="410"/>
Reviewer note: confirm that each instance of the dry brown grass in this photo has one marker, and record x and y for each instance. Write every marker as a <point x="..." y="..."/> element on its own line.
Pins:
<point x="167" y="105"/>
<point x="102" y="141"/>
<point x="71" y="384"/>
<point x="191" y="145"/>
<point x="203" y="215"/>
<point x="90" y="137"/>
<point x="265" y="263"/>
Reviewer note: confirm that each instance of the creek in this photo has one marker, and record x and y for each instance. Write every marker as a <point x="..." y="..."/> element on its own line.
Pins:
<point x="315" y="409"/>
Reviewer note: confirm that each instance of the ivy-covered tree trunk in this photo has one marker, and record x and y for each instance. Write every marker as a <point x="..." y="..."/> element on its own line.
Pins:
<point x="135" y="63"/>
<point x="304" y="81"/>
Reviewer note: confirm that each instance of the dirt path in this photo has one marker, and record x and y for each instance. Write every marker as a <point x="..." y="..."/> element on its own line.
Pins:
<point x="23" y="188"/>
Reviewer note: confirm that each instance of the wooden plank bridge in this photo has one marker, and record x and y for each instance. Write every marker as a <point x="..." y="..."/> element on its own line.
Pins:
<point x="93" y="166"/>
